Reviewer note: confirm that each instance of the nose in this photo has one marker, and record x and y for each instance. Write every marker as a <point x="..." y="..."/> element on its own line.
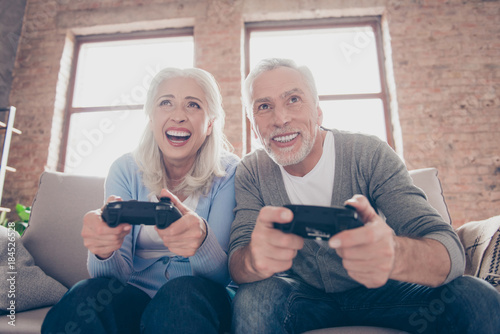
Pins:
<point x="281" y="116"/>
<point x="178" y="115"/>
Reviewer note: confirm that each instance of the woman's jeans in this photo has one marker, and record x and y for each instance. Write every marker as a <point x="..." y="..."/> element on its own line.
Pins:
<point x="285" y="305"/>
<point x="186" y="304"/>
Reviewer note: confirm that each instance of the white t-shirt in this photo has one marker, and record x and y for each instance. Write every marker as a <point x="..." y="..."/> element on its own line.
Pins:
<point x="149" y="243"/>
<point x="316" y="187"/>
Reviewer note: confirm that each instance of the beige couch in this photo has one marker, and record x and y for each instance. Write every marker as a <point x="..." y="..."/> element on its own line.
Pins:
<point x="53" y="240"/>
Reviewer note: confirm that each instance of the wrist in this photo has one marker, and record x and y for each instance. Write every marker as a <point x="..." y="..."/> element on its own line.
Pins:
<point x="204" y="230"/>
<point x="103" y="257"/>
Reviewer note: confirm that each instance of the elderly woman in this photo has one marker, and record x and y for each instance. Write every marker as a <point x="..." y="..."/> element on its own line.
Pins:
<point x="171" y="280"/>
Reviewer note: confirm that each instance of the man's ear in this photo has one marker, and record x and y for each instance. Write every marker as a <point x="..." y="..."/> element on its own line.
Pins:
<point x="320" y="115"/>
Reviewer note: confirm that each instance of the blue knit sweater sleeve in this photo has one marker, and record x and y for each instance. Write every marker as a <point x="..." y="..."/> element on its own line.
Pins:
<point x="122" y="181"/>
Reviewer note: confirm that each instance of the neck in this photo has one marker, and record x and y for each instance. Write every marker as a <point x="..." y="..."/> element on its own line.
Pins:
<point x="177" y="171"/>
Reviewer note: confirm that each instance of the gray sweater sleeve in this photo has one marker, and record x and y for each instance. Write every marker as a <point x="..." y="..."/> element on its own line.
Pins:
<point x="248" y="204"/>
<point x="381" y="175"/>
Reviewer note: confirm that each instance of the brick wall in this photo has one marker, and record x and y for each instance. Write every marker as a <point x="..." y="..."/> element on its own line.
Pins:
<point x="446" y="58"/>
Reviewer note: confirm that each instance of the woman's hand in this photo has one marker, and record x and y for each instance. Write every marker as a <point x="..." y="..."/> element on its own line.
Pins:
<point x="98" y="237"/>
<point x="184" y="236"/>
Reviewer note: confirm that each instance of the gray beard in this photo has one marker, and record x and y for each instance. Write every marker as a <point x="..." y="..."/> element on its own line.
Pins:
<point x="283" y="159"/>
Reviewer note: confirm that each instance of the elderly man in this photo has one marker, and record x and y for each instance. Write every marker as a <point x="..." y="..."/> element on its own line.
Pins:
<point x="403" y="272"/>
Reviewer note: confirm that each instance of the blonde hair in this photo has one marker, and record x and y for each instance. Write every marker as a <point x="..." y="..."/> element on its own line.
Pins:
<point x="207" y="165"/>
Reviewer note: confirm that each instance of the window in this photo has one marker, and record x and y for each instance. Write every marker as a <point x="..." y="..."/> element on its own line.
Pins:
<point x="346" y="59"/>
<point x="111" y="77"/>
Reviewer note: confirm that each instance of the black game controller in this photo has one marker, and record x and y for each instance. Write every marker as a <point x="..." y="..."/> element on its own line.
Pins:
<point x="320" y="222"/>
<point x="161" y="214"/>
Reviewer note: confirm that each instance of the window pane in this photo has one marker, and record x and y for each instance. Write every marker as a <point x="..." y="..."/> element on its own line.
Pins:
<point x="342" y="60"/>
<point x="119" y="72"/>
<point x="96" y="139"/>
<point x="365" y="116"/>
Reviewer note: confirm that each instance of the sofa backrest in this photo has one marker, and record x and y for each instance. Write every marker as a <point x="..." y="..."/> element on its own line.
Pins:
<point x="53" y="235"/>
<point x="427" y="179"/>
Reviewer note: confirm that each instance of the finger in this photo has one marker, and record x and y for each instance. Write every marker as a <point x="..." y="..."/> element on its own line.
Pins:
<point x="371" y="277"/>
<point x="190" y="222"/>
<point x="369" y="233"/>
<point x="105" y="233"/>
<point x="175" y="201"/>
<point x="352" y="238"/>
<point x="280" y="239"/>
<point x="112" y="198"/>
<point x="101" y="227"/>
<point x="271" y="214"/>
<point x="262" y="263"/>
<point x="280" y="254"/>
<point x="363" y="207"/>
<point x="93" y="223"/>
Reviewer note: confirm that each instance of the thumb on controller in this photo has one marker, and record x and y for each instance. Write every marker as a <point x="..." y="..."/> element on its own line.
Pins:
<point x="175" y="201"/>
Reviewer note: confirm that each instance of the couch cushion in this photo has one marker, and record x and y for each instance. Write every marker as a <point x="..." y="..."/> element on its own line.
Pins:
<point x="427" y="179"/>
<point x="28" y="322"/>
<point x="481" y="240"/>
<point x="24" y="286"/>
<point x="53" y="234"/>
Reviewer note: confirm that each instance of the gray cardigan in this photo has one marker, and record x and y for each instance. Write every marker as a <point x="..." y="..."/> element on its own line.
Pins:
<point x="363" y="165"/>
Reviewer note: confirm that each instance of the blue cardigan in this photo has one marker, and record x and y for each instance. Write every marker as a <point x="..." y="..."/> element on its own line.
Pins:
<point x="210" y="260"/>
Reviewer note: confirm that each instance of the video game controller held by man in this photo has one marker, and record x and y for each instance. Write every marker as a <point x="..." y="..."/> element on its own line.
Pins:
<point x="320" y="222"/>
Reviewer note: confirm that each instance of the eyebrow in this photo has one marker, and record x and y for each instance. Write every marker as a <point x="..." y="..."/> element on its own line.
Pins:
<point x="262" y="99"/>
<point x="166" y="95"/>
<point x="282" y="96"/>
<point x="171" y="96"/>
<point x="193" y="98"/>
<point x="291" y="92"/>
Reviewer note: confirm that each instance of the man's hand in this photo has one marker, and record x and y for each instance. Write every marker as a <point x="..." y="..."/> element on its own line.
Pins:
<point x="372" y="254"/>
<point x="184" y="236"/>
<point x="368" y="252"/>
<point x="98" y="237"/>
<point x="270" y="250"/>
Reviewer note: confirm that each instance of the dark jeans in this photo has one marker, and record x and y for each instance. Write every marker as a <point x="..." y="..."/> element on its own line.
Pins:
<point x="186" y="304"/>
<point x="284" y="305"/>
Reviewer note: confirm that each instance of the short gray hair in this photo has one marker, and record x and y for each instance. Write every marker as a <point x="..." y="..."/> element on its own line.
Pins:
<point x="268" y="65"/>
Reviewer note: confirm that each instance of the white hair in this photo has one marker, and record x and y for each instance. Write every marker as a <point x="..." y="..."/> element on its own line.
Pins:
<point x="268" y="65"/>
<point x="207" y="164"/>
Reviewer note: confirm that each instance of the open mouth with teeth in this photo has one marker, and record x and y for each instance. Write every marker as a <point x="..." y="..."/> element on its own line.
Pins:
<point x="177" y="137"/>
<point x="285" y="138"/>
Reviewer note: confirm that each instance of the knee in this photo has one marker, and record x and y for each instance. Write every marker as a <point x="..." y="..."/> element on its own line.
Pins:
<point x="184" y="287"/>
<point x="475" y="302"/>
<point x="92" y="286"/>
<point x="185" y="283"/>
<point x="261" y="299"/>
<point x="475" y="291"/>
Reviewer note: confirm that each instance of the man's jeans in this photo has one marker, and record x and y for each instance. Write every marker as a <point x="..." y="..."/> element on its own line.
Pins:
<point x="186" y="304"/>
<point x="285" y="305"/>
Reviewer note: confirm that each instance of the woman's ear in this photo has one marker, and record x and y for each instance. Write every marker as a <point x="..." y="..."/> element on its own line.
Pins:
<point x="210" y="126"/>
